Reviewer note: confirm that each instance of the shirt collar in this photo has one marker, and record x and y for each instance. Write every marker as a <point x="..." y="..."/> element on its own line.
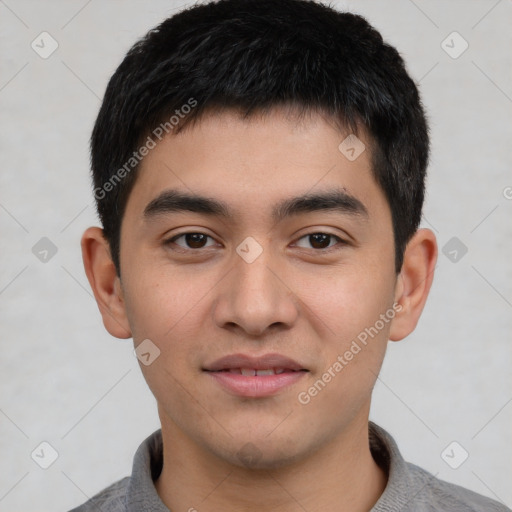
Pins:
<point x="141" y="495"/>
<point x="400" y="490"/>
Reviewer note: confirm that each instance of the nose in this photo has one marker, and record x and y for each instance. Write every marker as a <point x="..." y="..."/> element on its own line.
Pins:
<point x="255" y="297"/>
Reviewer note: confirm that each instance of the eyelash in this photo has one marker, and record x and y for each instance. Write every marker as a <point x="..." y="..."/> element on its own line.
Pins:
<point x="339" y="241"/>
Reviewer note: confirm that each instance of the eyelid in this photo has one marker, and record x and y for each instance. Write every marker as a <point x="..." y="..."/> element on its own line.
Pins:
<point x="340" y="241"/>
<point x="168" y="240"/>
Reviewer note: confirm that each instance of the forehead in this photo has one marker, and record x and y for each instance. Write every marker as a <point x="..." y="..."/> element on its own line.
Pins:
<point x="253" y="163"/>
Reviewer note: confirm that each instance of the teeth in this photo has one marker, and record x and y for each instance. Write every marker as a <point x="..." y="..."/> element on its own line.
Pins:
<point x="250" y="372"/>
<point x="270" y="371"/>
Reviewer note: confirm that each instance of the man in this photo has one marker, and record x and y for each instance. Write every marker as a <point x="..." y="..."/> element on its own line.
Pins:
<point x="259" y="172"/>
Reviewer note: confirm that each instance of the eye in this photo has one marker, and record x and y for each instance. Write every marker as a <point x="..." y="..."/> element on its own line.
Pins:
<point x="318" y="241"/>
<point x="192" y="240"/>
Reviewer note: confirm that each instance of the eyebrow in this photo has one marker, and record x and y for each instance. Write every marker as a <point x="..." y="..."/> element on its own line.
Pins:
<point x="336" y="200"/>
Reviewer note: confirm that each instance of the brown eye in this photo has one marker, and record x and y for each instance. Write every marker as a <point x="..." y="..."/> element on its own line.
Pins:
<point x="193" y="240"/>
<point x="318" y="241"/>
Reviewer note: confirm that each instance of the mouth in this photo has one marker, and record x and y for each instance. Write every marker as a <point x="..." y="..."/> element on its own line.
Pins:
<point x="275" y="363"/>
<point x="252" y="372"/>
<point x="247" y="376"/>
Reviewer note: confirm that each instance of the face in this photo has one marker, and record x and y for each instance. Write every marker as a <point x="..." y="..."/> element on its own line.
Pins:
<point x="258" y="245"/>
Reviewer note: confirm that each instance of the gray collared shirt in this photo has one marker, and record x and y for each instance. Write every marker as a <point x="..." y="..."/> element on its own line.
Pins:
<point x="409" y="488"/>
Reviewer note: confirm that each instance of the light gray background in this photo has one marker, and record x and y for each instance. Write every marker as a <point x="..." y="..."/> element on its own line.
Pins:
<point x="64" y="380"/>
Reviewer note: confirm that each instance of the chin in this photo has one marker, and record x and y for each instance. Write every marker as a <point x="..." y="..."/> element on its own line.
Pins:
<point x="262" y="455"/>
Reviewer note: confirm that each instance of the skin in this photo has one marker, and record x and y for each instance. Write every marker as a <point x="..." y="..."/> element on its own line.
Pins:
<point x="305" y="302"/>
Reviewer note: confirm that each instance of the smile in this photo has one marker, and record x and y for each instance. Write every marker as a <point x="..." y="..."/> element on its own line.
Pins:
<point x="251" y="372"/>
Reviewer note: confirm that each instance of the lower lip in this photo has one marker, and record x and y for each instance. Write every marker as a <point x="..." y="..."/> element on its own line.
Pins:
<point x="258" y="385"/>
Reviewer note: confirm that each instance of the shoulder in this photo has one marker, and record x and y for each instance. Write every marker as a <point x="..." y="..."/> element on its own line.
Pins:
<point x="434" y="494"/>
<point x="135" y="492"/>
<point x="413" y="489"/>
<point x="111" y="499"/>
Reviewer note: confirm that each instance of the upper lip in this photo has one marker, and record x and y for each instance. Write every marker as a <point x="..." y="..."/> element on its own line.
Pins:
<point x="264" y="362"/>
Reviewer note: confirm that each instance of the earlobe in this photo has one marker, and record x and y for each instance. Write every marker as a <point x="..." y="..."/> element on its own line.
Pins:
<point x="105" y="283"/>
<point x="414" y="282"/>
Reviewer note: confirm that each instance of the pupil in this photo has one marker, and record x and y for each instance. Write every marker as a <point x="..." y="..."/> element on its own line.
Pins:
<point x="195" y="240"/>
<point x="319" y="240"/>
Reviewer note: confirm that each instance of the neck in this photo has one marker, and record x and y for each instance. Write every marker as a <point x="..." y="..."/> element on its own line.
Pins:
<point x="341" y="476"/>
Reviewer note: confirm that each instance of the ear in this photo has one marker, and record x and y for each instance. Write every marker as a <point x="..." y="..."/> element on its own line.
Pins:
<point x="414" y="282"/>
<point x="105" y="282"/>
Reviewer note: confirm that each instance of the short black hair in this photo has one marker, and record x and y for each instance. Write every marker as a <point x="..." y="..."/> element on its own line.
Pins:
<point x="252" y="56"/>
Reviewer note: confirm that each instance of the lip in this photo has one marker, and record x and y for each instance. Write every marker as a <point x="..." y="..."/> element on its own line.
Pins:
<point x="258" y="363"/>
<point x="258" y="385"/>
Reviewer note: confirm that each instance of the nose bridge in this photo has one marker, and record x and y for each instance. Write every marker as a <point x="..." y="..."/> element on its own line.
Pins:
<point x="253" y="297"/>
<point x="255" y="283"/>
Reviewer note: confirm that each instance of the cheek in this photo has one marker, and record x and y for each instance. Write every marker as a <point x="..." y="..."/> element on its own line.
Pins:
<point x="352" y="349"/>
<point x="162" y="304"/>
<point x="347" y="300"/>
<point x="167" y="309"/>
<point x="354" y="308"/>
<point x="171" y="309"/>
